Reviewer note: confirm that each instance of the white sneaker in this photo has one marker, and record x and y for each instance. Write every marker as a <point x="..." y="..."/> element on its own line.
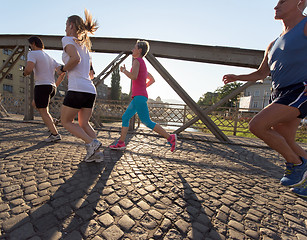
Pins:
<point x="97" y="157"/>
<point x="53" y="138"/>
<point x="91" y="148"/>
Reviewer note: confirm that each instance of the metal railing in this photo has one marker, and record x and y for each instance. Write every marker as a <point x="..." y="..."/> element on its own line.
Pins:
<point x="232" y="121"/>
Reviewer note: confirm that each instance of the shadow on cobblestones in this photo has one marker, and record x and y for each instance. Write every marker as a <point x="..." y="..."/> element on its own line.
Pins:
<point x="201" y="223"/>
<point x="69" y="212"/>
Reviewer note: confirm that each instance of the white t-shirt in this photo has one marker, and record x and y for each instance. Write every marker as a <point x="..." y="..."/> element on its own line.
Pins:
<point x="44" y="67"/>
<point x="78" y="78"/>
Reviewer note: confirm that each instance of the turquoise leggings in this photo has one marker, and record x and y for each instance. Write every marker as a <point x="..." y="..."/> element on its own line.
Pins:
<point x="138" y="105"/>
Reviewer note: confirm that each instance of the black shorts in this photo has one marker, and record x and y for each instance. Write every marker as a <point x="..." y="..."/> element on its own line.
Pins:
<point x="79" y="99"/>
<point x="43" y="94"/>
<point x="292" y="96"/>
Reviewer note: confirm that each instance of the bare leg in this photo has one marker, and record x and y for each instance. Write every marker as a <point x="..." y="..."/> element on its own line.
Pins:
<point x="67" y="117"/>
<point x="123" y="134"/>
<point x="288" y="131"/>
<point x="48" y="120"/>
<point x="161" y="131"/>
<point x="262" y="126"/>
<point x="84" y="116"/>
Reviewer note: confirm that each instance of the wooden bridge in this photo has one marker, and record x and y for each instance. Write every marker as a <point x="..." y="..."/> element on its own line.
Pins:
<point x="158" y="49"/>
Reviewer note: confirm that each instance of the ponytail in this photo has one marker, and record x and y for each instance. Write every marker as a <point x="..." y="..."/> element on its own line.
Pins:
<point x="84" y="27"/>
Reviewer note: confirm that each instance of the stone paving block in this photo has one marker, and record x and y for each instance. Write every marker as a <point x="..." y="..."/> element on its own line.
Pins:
<point x="44" y="223"/>
<point x="136" y="213"/>
<point x="116" y="210"/>
<point x="73" y="236"/>
<point x="52" y="234"/>
<point x="113" y="233"/>
<point x="126" y="223"/>
<point x="125" y="203"/>
<point x="106" y="219"/>
<point x="24" y="232"/>
<point x="166" y="223"/>
<point x="90" y="228"/>
<point x="14" y="222"/>
<point x="182" y="226"/>
<point x="112" y="199"/>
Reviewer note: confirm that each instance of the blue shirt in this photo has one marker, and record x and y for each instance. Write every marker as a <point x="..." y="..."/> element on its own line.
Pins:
<point x="288" y="57"/>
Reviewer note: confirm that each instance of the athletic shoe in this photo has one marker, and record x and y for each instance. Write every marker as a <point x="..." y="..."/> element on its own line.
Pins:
<point x="301" y="190"/>
<point x="118" y="146"/>
<point x="91" y="148"/>
<point x="294" y="174"/>
<point x="172" y="141"/>
<point x="53" y="138"/>
<point x="97" y="157"/>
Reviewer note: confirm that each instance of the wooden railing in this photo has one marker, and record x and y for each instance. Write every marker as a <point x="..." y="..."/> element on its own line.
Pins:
<point x="232" y="121"/>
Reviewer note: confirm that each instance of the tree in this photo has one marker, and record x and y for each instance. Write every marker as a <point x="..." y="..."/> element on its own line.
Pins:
<point x="115" y="85"/>
<point x="210" y="98"/>
<point x="207" y="99"/>
<point x="227" y="89"/>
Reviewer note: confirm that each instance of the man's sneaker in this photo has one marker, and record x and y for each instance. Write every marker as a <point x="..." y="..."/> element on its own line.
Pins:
<point x="294" y="174"/>
<point x="172" y="141"/>
<point x="91" y="148"/>
<point x="53" y="138"/>
<point x="97" y="157"/>
<point x="301" y="190"/>
<point x="118" y="146"/>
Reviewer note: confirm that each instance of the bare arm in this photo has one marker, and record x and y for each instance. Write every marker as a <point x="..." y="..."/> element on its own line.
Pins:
<point x="60" y="79"/>
<point x="262" y="72"/>
<point x="150" y="79"/>
<point x="92" y="72"/>
<point x="134" y="72"/>
<point x="29" y="68"/>
<point x="74" y="58"/>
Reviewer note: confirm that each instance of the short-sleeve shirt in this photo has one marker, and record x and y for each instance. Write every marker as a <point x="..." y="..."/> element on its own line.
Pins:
<point x="44" y="68"/>
<point x="78" y="78"/>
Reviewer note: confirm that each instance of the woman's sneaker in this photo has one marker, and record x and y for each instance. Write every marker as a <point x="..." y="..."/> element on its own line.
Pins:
<point x="97" y="157"/>
<point x="53" y="138"/>
<point x="172" y="141"/>
<point x="301" y="190"/>
<point x="118" y="146"/>
<point x="91" y="148"/>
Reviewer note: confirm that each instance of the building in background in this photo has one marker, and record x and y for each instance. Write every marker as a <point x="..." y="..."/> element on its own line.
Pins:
<point x="14" y="83"/>
<point x="257" y="96"/>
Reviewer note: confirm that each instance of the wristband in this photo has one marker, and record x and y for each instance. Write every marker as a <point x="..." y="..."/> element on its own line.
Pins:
<point x="62" y="66"/>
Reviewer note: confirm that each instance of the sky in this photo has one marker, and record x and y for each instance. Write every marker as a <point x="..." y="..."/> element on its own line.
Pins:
<point x="229" y="23"/>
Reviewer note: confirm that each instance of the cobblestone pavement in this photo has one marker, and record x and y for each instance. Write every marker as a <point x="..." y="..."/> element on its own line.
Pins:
<point x="204" y="190"/>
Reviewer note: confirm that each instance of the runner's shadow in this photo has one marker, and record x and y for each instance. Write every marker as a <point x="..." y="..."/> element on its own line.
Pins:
<point x="70" y="211"/>
<point x="202" y="227"/>
<point x="14" y="150"/>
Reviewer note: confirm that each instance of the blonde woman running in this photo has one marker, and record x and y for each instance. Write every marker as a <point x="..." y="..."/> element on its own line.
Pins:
<point x="81" y="94"/>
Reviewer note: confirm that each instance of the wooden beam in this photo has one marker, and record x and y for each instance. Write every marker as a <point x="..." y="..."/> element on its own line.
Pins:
<point x="181" y="51"/>
<point x="186" y="98"/>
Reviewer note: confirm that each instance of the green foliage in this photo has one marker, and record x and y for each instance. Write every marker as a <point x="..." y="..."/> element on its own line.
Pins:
<point x="210" y="98"/>
<point x="207" y="99"/>
<point x="227" y="89"/>
<point x="115" y="85"/>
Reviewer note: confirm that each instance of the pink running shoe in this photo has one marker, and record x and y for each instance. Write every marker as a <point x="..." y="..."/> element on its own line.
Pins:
<point x="173" y="141"/>
<point x="118" y="146"/>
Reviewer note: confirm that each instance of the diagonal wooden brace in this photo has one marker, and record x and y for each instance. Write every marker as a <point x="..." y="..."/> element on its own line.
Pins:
<point x="187" y="99"/>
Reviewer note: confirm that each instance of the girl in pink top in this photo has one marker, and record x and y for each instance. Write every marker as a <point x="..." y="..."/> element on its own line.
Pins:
<point x="141" y="79"/>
